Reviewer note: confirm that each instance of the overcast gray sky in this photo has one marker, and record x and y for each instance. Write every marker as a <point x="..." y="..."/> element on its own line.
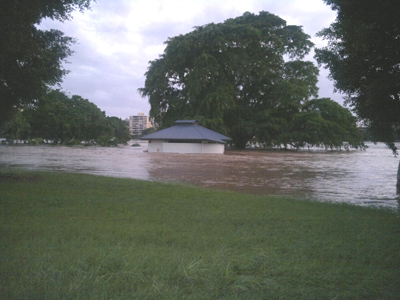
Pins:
<point x="117" y="38"/>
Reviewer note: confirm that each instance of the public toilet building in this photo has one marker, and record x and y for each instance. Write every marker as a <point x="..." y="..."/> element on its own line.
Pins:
<point x="186" y="136"/>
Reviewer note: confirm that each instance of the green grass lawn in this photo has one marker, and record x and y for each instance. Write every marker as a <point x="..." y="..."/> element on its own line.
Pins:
<point x="70" y="236"/>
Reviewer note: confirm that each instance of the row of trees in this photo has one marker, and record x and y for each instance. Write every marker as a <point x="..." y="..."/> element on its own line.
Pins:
<point x="246" y="78"/>
<point x="245" y="75"/>
<point x="66" y="120"/>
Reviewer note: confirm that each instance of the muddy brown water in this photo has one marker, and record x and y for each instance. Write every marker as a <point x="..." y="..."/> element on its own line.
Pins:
<point x="358" y="177"/>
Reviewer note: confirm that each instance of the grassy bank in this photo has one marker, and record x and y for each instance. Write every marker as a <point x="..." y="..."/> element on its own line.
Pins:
<point x="68" y="236"/>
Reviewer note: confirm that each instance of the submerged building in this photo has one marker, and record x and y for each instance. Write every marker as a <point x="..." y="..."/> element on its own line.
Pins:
<point x="186" y="137"/>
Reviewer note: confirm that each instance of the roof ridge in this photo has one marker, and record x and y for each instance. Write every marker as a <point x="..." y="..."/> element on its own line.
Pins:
<point x="187" y="130"/>
<point x="196" y="127"/>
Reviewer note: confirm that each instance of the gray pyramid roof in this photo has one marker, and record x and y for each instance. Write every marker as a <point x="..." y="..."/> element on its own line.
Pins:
<point x="187" y="130"/>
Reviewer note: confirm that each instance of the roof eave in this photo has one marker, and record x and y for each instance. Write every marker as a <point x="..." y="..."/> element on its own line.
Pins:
<point x="182" y="139"/>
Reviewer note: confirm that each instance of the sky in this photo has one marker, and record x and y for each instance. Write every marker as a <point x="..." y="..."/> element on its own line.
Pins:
<point x="116" y="39"/>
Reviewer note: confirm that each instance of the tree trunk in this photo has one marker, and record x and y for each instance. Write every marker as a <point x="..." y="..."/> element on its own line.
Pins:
<point x="398" y="181"/>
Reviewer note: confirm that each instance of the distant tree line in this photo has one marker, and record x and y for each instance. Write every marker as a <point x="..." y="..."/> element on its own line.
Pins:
<point x="60" y="119"/>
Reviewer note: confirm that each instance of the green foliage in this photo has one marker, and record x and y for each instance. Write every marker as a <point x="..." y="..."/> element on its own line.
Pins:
<point x="324" y="123"/>
<point x="31" y="60"/>
<point x="218" y="70"/>
<point x="58" y="117"/>
<point x="120" y="129"/>
<point x="65" y="120"/>
<point x="69" y="236"/>
<point x="363" y="57"/>
<point x="18" y="128"/>
<point x="244" y="78"/>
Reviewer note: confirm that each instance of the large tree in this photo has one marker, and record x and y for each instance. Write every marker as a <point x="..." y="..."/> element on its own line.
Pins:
<point x="244" y="77"/>
<point x="363" y="56"/>
<point x="31" y="60"/>
<point x="237" y="76"/>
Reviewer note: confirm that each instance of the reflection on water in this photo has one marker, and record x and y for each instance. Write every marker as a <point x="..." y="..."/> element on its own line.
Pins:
<point x="360" y="177"/>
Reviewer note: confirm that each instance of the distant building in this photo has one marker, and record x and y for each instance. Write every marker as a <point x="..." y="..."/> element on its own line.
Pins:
<point x="186" y="137"/>
<point x="139" y="123"/>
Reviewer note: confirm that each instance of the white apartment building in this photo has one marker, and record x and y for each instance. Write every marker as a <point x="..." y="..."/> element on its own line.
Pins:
<point x="139" y="123"/>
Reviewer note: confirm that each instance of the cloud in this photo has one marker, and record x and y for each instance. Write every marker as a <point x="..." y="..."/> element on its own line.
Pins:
<point x="117" y="39"/>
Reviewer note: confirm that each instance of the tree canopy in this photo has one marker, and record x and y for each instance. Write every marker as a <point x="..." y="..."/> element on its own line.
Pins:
<point x="31" y="60"/>
<point x="66" y="120"/>
<point x="363" y="57"/>
<point x="324" y="123"/>
<point x="244" y="77"/>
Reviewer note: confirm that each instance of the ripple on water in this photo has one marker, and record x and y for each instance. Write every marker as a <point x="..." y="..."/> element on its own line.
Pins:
<point x="359" y="177"/>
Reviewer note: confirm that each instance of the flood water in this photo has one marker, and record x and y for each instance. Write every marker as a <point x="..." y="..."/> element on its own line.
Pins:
<point x="359" y="177"/>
